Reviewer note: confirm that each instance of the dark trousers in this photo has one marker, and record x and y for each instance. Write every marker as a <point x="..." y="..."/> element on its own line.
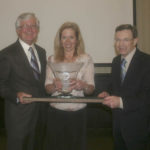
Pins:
<point x="66" y="130"/>
<point x="24" y="142"/>
<point x="24" y="127"/>
<point x="41" y="127"/>
<point x="131" y="135"/>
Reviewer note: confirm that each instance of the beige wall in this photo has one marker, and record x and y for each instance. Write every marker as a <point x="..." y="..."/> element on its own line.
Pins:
<point x="97" y="20"/>
<point x="143" y="24"/>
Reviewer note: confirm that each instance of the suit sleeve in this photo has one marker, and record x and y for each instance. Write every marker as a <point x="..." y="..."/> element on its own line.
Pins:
<point x="6" y="91"/>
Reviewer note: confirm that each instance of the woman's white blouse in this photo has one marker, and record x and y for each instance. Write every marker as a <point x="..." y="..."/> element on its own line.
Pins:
<point x="86" y="74"/>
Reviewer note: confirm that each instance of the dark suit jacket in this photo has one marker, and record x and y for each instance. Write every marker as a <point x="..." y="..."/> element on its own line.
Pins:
<point x="135" y="93"/>
<point x="17" y="76"/>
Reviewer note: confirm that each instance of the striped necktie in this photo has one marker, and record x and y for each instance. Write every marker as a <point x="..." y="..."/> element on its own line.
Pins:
<point x="34" y="64"/>
<point x="123" y="69"/>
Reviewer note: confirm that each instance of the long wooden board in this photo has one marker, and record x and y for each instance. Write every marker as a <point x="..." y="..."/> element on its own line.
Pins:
<point x="65" y="100"/>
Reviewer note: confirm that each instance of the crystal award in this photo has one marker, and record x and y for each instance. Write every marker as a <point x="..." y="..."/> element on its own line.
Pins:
<point x="65" y="72"/>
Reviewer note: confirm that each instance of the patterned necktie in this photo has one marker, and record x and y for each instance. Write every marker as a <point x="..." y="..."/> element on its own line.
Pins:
<point x="34" y="64"/>
<point x="123" y="69"/>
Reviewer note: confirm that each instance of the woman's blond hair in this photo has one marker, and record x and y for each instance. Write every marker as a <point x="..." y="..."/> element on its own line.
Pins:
<point x="59" y="50"/>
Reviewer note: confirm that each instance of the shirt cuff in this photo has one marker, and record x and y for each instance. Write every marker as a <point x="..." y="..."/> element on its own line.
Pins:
<point x="121" y="103"/>
<point x="17" y="100"/>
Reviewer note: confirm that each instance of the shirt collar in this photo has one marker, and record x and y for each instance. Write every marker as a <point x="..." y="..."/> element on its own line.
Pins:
<point x="25" y="45"/>
<point x="130" y="55"/>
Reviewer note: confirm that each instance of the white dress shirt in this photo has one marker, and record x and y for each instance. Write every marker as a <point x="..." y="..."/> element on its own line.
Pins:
<point x="28" y="53"/>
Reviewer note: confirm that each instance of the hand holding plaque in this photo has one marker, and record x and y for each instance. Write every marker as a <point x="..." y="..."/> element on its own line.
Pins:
<point x="65" y="72"/>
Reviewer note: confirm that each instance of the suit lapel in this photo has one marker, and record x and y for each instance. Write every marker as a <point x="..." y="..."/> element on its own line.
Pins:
<point x="42" y="62"/>
<point x="24" y="60"/>
<point x="117" y="70"/>
<point x="133" y="68"/>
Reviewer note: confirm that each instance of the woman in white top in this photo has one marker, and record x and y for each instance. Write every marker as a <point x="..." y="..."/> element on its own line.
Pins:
<point x="67" y="121"/>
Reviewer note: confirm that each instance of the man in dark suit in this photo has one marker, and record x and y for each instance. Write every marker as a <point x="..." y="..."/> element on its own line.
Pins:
<point x="129" y="96"/>
<point x="23" y="75"/>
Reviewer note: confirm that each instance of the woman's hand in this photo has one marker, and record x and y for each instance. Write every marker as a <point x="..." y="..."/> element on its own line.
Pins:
<point x="77" y="84"/>
<point x="81" y="85"/>
<point x="57" y="84"/>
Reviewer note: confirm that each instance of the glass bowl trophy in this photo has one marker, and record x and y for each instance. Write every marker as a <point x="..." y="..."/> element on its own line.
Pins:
<point x="65" y="72"/>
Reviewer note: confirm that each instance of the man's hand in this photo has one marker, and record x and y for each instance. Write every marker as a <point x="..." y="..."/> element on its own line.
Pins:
<point x="103" y="94"/>
<point x="21" y="95"/>
<point x="112" y="101"/>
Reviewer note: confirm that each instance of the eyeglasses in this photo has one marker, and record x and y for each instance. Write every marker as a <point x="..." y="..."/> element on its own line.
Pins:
<point x="25" y="26"/>
<point x="123" y="40"/>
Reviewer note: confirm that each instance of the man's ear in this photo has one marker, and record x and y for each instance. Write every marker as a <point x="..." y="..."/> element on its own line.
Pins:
<point x="135" y="41"/>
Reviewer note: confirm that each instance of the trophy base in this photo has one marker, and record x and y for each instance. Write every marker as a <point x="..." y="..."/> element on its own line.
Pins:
<point x="65" y="95"/>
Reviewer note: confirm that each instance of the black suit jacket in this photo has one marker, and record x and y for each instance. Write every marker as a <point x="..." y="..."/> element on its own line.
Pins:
<point x="17" y="76"/>
<point x="135" y="93"/>
<point x="135" y="88"/>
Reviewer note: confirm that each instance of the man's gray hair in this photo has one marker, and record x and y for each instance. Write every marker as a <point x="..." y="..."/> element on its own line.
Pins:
<point x="26" y="16"/>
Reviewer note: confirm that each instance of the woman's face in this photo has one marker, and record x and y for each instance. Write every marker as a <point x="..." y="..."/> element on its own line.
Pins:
<point x="68" y="40"/>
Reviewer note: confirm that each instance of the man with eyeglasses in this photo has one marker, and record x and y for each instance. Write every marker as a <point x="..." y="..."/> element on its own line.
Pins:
<point x="129" y="96"/>
<point x="22" y="66"/>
